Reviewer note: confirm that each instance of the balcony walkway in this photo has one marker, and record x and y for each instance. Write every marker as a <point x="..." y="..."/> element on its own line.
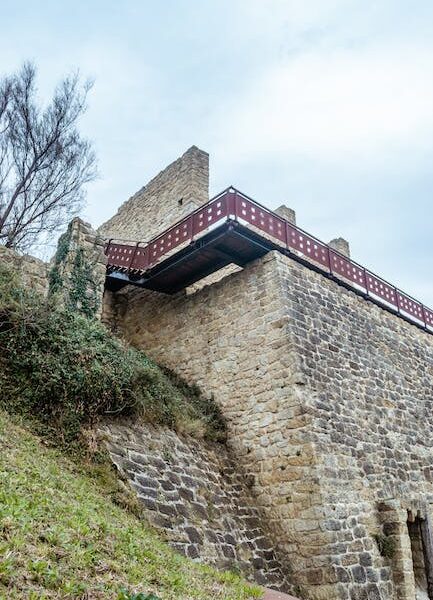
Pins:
<point x="233" y="228"/>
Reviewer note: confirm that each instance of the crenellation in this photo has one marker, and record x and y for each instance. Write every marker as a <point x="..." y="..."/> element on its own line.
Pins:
<point x="341" y="245"/>
<point x="287" y="213"/>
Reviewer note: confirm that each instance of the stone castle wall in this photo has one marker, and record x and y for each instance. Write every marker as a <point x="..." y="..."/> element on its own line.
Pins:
<point x="369" y="377"/>
<point x="77" y="271"/>
<point x="192" y="492"/>
<point x="328" y="401"/>
<point x="76" y="274"/>
<point x="230" y="338"/>
<point x="179" y="189"/>
<point x="33" y="272"/>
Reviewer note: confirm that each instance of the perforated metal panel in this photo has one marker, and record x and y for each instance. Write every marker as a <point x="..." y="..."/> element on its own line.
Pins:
<point x="428" y="317"/>
<point x="379" y="288"/>
<point x="120" y="255"/>
<point x="261" y="218"/>
<point x="208" y="215"/>
<point x="230" y="203"/>
<point x="346" y="268"/>
<point x="140" y="260"/>
<point x="410" y="306"/>
<point x="307" y="245"/>
<point x="177" y="235"/>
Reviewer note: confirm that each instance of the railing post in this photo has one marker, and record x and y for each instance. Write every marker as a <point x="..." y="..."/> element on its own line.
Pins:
<point x="424" y="315"/>
<point x="133" y="255"/>
<point x="330" y="261"/>
<point x="364" y="272"/>
<point x="397" y="300"/>
<point x="231" y="199"/>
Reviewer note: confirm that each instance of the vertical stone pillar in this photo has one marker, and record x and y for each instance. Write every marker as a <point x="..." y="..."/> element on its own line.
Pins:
<point x="287" y="213"/>
<point x="340" y="245"/>
<point x="77" y="273"/>
<point x="394" y="522"/>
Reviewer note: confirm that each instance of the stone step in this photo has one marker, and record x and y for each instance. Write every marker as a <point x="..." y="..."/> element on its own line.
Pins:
<point x="273" y="595"/>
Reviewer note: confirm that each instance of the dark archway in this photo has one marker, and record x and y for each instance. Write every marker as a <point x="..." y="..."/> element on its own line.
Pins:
<point x="421" y="541"/>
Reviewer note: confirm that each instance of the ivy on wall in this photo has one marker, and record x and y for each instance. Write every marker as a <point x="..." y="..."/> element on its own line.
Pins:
<point x="55" y="279"/>
<point x="72" y="275"/>
<point x="83" y="290"/>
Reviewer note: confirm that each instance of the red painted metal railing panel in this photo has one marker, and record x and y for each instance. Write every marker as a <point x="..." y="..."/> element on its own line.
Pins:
<point x="260" y="217"/>
<point x="344" y="267"/>
<point x="170" y="239"/>
<point x="307" y="245"/>
<point x="119" y="255"/>
<point x="210" y="214"/>
<point x="428" y="317"/>
<point x="232" y="204"/>
<point x="381" y="289"/>
<point x="140" y="259"/>
<point x="410" y="306"/>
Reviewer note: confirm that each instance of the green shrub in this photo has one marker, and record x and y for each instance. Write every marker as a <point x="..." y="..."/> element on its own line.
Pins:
<point x="386" y="545"/>
<point x="68" y="370"/>
<point x="81" y="293"/>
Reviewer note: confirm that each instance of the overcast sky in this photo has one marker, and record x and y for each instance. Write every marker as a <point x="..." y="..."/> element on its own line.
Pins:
<point x="324" y="105"/>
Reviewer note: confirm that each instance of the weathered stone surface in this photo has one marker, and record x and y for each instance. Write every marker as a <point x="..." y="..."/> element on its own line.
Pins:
<point x="287" y="213"/>
<point x="179" y="498"/>
<point x="273" y="595"/>
<point x="328" y="400"/>
<point x="341" y="245"/>
<point x="173" y="193"/>
<point x="84" y="257"/>
<point x="33" y="272"/>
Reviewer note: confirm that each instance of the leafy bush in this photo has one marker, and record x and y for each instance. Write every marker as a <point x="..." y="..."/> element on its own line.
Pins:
<point x="68" y="370"/>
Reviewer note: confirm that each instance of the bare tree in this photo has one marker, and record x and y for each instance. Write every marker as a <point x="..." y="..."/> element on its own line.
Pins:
<point x="44" y="162"/>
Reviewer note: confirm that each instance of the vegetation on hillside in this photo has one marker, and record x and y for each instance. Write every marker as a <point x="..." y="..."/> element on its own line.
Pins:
<point x="60" y="537"/>
<point x="69" y="371"/>
<point x="69" y="527"/>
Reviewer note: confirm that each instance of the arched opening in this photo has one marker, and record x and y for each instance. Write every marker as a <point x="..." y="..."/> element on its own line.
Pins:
<point x="422" y="558"/>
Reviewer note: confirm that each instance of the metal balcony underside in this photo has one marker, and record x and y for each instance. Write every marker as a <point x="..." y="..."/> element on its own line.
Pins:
<point x="226" y="244"/>
<point x="233" y="228"/>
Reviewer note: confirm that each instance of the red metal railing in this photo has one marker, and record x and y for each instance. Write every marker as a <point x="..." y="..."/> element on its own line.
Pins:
<point x="233" y="205"/>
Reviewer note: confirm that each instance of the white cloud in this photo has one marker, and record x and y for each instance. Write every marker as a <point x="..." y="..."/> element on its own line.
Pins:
<point x="297" y="15"/>
<point x="334" y="105"/>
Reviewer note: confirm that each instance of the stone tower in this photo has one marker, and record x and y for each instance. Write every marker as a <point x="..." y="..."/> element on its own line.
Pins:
<point x="328" y="400"/>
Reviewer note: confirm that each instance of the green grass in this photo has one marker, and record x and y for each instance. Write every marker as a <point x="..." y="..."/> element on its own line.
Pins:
<point x="61" y="536"/>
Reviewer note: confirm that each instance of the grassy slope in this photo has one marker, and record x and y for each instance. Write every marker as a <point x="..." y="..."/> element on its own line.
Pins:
<point x="60" y="537"/>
